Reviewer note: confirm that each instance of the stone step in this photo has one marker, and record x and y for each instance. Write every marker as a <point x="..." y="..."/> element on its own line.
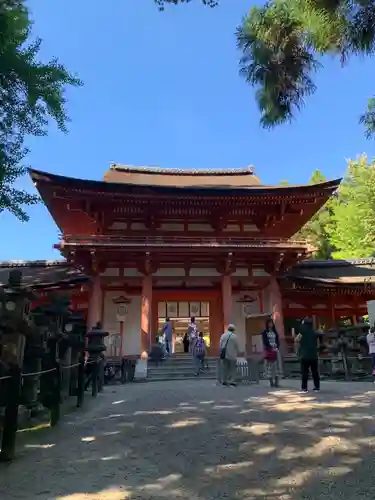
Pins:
<point x="183" y="362"/>
<point x="180" y="364"/>
<point x="175" y="369"/>
<point x="180" y="367"/>
<point x="181" y="376"/>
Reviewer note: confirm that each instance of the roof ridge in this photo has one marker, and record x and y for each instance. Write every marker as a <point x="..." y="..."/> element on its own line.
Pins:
<point x="33" y="263"/>
<point x="182" y="171"/>
<point x="336" y="262"/>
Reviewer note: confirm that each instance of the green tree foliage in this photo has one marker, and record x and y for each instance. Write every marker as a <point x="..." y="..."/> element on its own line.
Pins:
<point x="282" y="41"/>
<point x="316" y="231"/>
<point x="352" y="228"/>
<point x="31" y="92"/>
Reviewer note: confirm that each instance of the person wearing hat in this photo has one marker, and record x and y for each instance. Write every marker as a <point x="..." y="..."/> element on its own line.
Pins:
<point x="229" y="351"/>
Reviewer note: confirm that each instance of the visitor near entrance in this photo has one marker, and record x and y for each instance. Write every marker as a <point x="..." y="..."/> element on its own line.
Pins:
<point x="186" y="342"/>
<point x="199" y="353"/>
<point x="192" y="333"/>
<point x="168" y="334"/>
<point x="157" y="353"/>
<point x="271" y="346"/>
<point x="308" y="340"/>
<point x="371" y="348"/>
<point x="229" y="351"/>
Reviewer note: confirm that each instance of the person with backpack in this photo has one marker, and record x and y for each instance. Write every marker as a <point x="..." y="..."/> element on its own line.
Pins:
<point x="199" y="353"/>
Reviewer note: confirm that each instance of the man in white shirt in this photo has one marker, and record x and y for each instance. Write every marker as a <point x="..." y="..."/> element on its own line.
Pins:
<point x="371" y="347"/>
<point x="229" y="351"/>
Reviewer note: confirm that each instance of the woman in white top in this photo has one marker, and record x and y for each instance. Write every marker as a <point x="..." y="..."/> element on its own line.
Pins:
<point x="371" y="347"/>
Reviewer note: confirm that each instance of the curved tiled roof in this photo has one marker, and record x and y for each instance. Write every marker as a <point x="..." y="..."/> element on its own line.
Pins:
<point x="42" y="273"/>
<point x="155" y="176"/>
<point x="227" y="186"/>
<point x="334" y="272"/>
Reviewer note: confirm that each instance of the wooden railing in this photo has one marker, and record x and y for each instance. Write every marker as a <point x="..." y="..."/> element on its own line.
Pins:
<point x="181" y="241"/>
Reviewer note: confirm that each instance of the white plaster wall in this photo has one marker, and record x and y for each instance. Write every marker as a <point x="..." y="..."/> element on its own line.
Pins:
<point x="266" y="298"/>
<point x="259" y="273"/>
<point x="140" y="226"/>
<point x="200" y="227"/>
<point x="111" y="272"/>
<point x="233" y="228"/>
<point x="252" y="228"/>
<point x="238" y="320"/>
<point x="171" y="226"/>
<point x="132" y="326"/>
<point x="203" y="272"/>
<point x="170" y="272"/>
<point x="255" y="308"/>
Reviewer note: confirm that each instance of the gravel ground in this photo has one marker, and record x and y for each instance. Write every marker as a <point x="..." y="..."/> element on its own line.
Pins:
<point x="195" y="440"/>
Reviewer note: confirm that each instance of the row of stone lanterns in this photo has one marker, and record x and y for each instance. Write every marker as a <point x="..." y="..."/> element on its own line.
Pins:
<point x="41" y="353"/>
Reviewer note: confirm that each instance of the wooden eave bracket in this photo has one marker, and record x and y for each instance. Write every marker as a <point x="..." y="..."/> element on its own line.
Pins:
<point x="149" y="267"/>
<point x="187" y="268"/>
<point x="219" y="221"/>
<point x="279" y="262"/>
<point x="227" y="266"/>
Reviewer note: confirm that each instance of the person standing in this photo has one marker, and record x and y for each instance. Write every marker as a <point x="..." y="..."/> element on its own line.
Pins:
<point x="199" y="353"/>
<point x="186" y="342"/>
<point x="192" y="333"/>
<point x="168" y="334"/>
<point x="271" y="346"/>
<point x="370" y="338"/>
<point x="229" y="351"/>
<point x="308" y="343"/>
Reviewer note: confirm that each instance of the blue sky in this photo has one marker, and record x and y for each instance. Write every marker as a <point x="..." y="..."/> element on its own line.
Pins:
<point x="163" y="89"/>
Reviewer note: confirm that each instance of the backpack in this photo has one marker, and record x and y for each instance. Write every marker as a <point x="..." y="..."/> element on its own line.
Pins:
<point x="199" y="348"/>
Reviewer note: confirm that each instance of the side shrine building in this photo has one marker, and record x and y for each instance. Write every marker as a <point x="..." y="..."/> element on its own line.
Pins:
<point x="144" y="244"/>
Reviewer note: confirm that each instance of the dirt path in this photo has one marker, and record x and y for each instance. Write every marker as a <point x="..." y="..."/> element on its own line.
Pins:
<point x="198" y="441"/>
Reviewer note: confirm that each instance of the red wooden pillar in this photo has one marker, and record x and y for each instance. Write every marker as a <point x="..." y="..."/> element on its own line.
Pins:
<point x="332" y="311"/>
<point x="95" y="303"/>
<point x="226" y="292"/>
<point x="146" y="313"/>
<point x="277" y="307"/>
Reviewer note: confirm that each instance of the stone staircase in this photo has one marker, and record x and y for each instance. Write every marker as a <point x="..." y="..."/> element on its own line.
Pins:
<point x="180" y="367"/>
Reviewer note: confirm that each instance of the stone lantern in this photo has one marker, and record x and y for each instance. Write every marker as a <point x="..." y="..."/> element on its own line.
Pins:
<point x="75" y="330"/>
<point x="32" y="362"/>
<point x="53" y="319"/>
<point x="15" y="319"/>
<point x="15" y="327"/>
<point x="95" y="348"/>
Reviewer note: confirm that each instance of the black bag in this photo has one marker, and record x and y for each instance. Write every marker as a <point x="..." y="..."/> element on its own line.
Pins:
<point x="223" y="350"/>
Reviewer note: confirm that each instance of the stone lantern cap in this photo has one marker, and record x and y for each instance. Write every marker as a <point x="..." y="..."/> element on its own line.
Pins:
<point x="15" y="302"/>
<point x="59" y="306"/>
<point x="95" y="339"/>
<point x="14" y="288"/>
<point x="97" y="331"/>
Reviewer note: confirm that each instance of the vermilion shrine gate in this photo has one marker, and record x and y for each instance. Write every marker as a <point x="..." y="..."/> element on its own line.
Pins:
<point x="145" y="243"/>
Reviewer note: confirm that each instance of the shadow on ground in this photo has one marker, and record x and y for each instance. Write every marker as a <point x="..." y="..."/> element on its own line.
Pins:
<point x="198" y="441"/>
